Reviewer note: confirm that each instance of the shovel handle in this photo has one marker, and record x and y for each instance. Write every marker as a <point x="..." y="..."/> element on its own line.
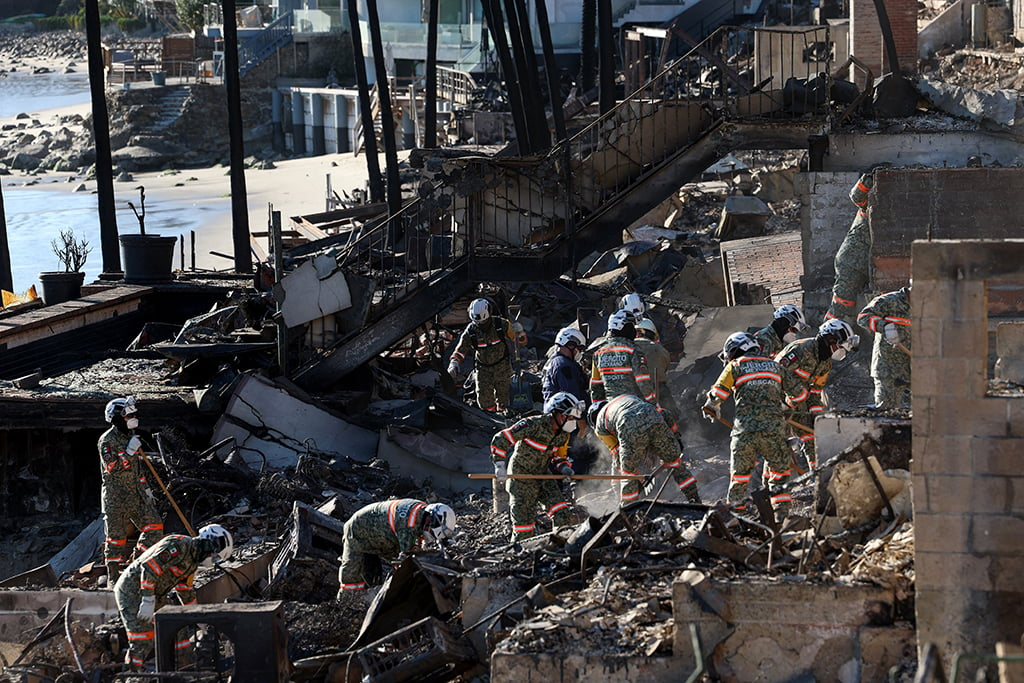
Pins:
<point x="712" y="413"/>
<point x="558" y="476"/>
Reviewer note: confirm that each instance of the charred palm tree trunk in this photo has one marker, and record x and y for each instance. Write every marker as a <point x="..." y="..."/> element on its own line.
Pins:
<point x="365" y="111"/>
<point x="6" y="278"/>
<point x="550" y="69"/>
<point x="526" y="66"/>
<point x="430" y="104"/>
<point x="239" y="203"/>
<point x="387" y="118"/>
<point x="496" y="25"/>
<point x="587" y="35"/>
<point x="109" y="246"/>
<point x="606" y="45"/>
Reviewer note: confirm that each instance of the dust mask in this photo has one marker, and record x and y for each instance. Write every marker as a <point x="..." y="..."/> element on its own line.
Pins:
<point x="789" y="337"/>
<point x="131" y="422"/>
<point x="577" y="355"/>
<point x="569" y="426"/>
<point x="839" y="353"/>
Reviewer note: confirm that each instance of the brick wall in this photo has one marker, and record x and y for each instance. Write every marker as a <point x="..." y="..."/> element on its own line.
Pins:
<point x="866" y="36"/>
<point x="968" y="454"/>
<point x="774" y="262"/>
<point x="940" y="203"/>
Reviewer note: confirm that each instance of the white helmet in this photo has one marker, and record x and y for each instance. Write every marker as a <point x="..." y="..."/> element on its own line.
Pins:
<point x="120" y="407"/>
<point x="564" y="403"/>
<point x="648" y="325"/>
<point x="441" y="522"/>
<point x="634" y="304"/>
<point x="223" y="544"/>
<point x="839" y="333"/>
<point x="622" y="321"/>
<point x="569" y="336"/>
<point x="737" y="344"/>
<point x="793" y="315"/>
<point x="479" y="310"/>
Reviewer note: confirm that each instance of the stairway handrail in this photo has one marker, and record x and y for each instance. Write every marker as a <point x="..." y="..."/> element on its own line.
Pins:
<point x="274" y="35"/>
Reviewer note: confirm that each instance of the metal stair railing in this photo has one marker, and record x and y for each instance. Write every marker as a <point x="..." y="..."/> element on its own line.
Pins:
<point x="435" y="236"/>
<point x="267" y="42"/>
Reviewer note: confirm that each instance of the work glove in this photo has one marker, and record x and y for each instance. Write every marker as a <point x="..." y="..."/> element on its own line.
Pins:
<point x="892" y="335"/>
<point x="134" y="445"/>
<point x="147" y="608"/>
<point x="453" y="369"/>
<point x="712" y="411"/>
<point x="501" y="473"/>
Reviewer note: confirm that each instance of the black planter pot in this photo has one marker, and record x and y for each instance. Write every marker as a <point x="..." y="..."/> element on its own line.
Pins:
<point x="147" y="258"/>
<point x="61" y="286"/>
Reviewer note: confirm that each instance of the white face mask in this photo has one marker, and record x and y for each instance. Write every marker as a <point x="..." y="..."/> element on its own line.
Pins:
<point x="789" y="337"/>
<point x="577" y="355"/>
<point x="131" y="422"/>
<point x="839" y="353"/>
<point x="569" y="426"/>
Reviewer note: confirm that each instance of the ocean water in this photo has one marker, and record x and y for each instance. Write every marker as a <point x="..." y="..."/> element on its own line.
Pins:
<point x="36" y="216"/>
<point x="25" y="92"/>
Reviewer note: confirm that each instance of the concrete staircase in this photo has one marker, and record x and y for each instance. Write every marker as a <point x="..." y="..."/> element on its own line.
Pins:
<point x="169" y="109"/>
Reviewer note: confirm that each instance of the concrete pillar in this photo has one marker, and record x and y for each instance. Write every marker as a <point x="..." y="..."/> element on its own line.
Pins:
<point x="298" y="124"/>
<point x="276" y="124"/>
<point x="341" y="114"/>
<point x="316" y="107"/>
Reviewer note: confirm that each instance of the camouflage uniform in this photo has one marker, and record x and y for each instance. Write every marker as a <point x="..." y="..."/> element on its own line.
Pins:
<point x="852" y="259"/>
<point x="170" y="564"/>
<point x="385" y="530"/>
<point x="490" y="343"/>
<point x="534" y="443"/>
<point x="890" y="367"/>
<point x="769" y="341"/>
<point x="804" y="377"/>
<point x="755" y="382"/>
<point x="633" y="429"/>
<point x="125" y="499"/>
<point x="619" y="368"/>
<point x="658" y="363"/>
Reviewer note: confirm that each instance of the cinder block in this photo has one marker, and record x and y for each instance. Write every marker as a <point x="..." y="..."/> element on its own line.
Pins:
<point x="968" y="416"/>
<point x="937" y="376"/>
<point x="1010" y="340"/>
<point x="941" y="454"/>
<point x="967" y="336"/>
<point x="931" y="300"/>
<point x="948" y="494"/>
<point x="996" y="533"/>
<point x="1017" y="496"/>
<point x="919" y="491"/>
<point x="941" y="533"/>
<point x="954" y="572"/>
<point x="991" y="495"/>
<point x="996" y="455"/>
<point x="1007" y="571"/>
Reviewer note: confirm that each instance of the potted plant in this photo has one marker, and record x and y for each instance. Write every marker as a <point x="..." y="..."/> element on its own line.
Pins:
<point x="65" y="285"/>
<point x="147" y="258"/>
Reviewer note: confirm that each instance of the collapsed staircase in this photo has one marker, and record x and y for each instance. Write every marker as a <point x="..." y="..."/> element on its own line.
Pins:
<point x="545" y="214"/>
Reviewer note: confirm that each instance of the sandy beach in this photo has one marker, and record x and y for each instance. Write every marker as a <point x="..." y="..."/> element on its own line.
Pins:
<point x="294" y="187"/>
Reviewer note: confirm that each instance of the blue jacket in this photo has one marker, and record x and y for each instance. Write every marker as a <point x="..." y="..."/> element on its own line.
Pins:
<point x="564" y="374"/>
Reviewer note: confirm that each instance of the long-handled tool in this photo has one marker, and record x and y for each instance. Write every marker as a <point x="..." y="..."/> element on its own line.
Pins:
<point x="181" y="515"/>
<point x="708" y="411"/>
<point x="558" y="476"/>
<point x="904" y="349"/>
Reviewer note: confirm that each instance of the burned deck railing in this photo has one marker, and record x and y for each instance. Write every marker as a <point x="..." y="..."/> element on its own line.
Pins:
<point x="520" y="210"/>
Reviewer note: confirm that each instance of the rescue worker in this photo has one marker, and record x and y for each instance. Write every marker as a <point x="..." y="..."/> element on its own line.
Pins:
<point x="532" y="446"/>
<point x="390" y="530"/>
<point x="754" y="380"/>
<point x="634" y="305"/>
<point x="888" y="316"/>
<point x="852" y="259"/>
<point x="658" y="363"/>
<point x="145" y="583"/>
<point x="806" y="364"/>
<point x="126" y="499"/>
<point x="787" y="324"/>
<point x="490" y="339"/>
<point x="562" y="371"/>
<point x="633" y="430"/>
<point x="619" y="366"/>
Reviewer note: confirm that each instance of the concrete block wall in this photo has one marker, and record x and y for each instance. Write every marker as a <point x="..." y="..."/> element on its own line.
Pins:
<point x="775" y="261"/>
<point x="866" y="35"/>
<point x="968" y="454"/>
<point x="826" y="215"/>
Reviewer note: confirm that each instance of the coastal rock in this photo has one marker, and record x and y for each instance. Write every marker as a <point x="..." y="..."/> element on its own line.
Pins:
<point x="24" y="162"/>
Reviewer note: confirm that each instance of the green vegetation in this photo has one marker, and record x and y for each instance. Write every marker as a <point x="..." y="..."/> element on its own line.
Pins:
<point x="190" y="14"/>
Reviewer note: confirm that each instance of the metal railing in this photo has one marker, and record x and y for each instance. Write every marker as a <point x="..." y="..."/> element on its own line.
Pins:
<point x="455" y="86"/>
<point x="520" y="207"/>
<point x="253" y="51"/>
